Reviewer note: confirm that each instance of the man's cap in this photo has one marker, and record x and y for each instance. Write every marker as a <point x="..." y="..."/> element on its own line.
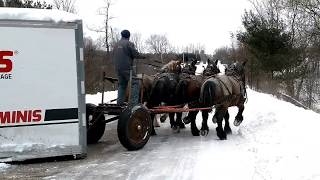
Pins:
<point x="125" y="34"/>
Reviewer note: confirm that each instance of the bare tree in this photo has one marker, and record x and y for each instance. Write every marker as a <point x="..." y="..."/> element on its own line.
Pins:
<point x="65" y="5"/>
<point x="136" y="38"/>
<point x="105" y="11"/>
<point x="194" y="48"/>
<point x="114" y="36"/>
<point x="105" y="28"/>
<point x="158" y="44"/>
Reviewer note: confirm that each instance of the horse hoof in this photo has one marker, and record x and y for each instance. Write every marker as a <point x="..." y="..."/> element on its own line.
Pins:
<point x="182" y="126"/>
<point x="176" y="130"/>
<point x="237" y="121"/>
<point x="221" y="134"/>
<point x="186" y="120"/>
<point x="156" y="124"/>
<point x="153" y="133"/>
<point x="228" y="131"/>
<point x="195" y="133"/>
<point x="223" y="138"/>
<point x="214" y="120"/>
<point x="163" y="119"/>
<point x="204" y="132"/>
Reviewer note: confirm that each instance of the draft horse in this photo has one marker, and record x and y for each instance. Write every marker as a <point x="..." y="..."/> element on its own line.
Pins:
<point x="188" y="92"/>
<point x="186" y="71"/>
<point x="224" y="91"/>
<point x="146" y="81"/>
<point x="161" y="88"/>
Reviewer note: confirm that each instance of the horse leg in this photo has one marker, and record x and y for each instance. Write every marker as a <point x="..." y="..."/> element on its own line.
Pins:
<point x="174" y="126"/>
<point x="179" y="120"/>
<point x="155" y="122"/>
<point x="153" y="132"/>
<point x="187" y="119"/>
<point x="239" y="118"/>
<point x="163" y="117"/>
<point x="220" y="112"/>
<point x="227" y="128"/>
<point x="194" y="129"/>
<point x="214" y="118"/>
<point x="204" y="128"/>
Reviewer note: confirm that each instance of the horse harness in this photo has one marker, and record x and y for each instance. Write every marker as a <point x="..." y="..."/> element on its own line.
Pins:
<point x="162" y="75"/>
<point x="226" y="83"/>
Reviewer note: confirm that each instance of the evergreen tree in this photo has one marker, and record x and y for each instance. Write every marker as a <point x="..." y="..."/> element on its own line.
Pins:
<point x="14" y="3"/>
<point x="26" y="4"/>
<point x="270" y="45"/>
<point x="40" y="5"/>
<point x="1" y="3"/>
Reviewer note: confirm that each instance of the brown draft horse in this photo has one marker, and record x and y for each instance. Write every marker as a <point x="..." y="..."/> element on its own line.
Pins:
<point x="188" y="92"/>
<point x="224" y="91"/>
<point x="164" y="91"/>
<point x="174" y="66"/>
<point x="146" y="81"/>
<point x="186" y="71"/>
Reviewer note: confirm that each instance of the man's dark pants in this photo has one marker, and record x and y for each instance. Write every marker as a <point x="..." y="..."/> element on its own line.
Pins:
<point x="123" y="79"/>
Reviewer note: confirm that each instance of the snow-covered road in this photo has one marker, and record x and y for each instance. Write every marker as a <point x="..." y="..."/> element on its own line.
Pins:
<point x="277" y="140"/>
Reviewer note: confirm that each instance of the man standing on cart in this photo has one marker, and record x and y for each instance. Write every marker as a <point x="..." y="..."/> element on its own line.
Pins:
<point x="124" y="53"/>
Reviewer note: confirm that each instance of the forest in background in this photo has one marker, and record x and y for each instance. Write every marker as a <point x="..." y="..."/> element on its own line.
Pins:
<point x="280" y="41"/>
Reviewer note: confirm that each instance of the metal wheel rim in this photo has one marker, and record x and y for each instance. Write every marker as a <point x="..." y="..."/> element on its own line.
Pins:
<point x="138" y="128"/>
<point x="90" y="118"/>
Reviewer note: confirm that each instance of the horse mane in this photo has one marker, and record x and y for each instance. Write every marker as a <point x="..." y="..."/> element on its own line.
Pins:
<point x="190" y="68"/>
<point x="174" y="66"/>
<point x="211" y="68"/>
<point x="235" y="69"/>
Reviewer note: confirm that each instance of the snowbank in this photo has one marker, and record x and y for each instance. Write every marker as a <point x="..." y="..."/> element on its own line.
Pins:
<point x="96" y="98"/>
<point x="277" y="140"/>
<point x="222" y="67"/>
<point x="4" y="166"/>
<point x="23" y="147"/>
<point x="201" y="66"/>
<point x="37" y="14"/>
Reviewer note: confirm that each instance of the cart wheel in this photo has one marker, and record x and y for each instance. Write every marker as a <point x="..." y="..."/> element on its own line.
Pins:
<point x="94" y="131"/>
<point x="134" y="127"/>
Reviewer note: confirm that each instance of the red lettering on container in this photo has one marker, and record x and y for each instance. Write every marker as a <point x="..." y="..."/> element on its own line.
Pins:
<point x="16" y="117"/>
<point x="5" y="117"/>
<point x="36" y="115"/>
<point x="6" y="62"/>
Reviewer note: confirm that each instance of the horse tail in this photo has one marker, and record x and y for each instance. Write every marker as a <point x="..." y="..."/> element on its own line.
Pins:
<point x="207" y="93"/>
<point x="181" y="91"/>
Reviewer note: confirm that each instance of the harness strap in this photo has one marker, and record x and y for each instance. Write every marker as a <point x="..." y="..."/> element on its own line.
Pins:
<point x="221" y="82"/>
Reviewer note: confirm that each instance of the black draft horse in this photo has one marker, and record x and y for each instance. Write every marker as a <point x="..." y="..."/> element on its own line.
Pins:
<point x="164" y="91"/>
<point x="188" y="92"/>
<point x="146" y="81"/>
<point x="164" y="83"/>
<point x="186" y="71"/>
<point x="224" y="91"/>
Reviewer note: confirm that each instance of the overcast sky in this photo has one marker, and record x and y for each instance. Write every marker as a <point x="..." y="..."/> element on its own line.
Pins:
<point x="207" y="22"/>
